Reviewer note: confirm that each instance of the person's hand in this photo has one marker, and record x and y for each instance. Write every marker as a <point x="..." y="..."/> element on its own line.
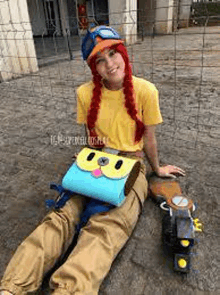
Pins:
<point x="170" y="171"/>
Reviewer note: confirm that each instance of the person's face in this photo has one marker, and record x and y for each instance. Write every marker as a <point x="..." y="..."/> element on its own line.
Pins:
<point x="111" y="67"/>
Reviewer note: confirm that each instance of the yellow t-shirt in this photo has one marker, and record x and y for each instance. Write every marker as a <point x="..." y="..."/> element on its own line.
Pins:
<point x="114" y="126"/>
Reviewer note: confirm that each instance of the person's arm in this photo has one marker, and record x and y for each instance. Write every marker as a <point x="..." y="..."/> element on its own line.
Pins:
<point x="150" y="149"/>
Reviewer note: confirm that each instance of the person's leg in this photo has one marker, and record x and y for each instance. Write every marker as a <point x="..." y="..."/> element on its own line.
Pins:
<point x="98" y="244"/>
<point x="39" y="252"/>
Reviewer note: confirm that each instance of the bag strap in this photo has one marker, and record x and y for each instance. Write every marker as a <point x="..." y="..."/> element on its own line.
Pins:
<point x="93" y="206"/>
<point x="64" y="196"/>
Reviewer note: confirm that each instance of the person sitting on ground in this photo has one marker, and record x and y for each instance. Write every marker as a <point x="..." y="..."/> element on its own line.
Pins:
<point x="123" y="109"/>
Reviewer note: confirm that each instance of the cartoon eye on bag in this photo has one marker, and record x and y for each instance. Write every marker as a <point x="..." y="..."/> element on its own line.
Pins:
<point x="102" y="176"/>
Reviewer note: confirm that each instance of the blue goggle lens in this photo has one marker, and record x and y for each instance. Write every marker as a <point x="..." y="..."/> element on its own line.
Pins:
<point x="107" y="33"/>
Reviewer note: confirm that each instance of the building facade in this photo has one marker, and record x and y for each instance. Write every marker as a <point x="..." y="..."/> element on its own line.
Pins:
<point x="23" y="20"/>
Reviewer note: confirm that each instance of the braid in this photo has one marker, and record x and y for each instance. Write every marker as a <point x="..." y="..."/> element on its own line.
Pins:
<point x="128" y="90"/>
<point x="95" y="104"/>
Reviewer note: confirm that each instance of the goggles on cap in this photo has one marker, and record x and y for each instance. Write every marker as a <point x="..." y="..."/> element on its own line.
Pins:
<point x="89" y="42"/>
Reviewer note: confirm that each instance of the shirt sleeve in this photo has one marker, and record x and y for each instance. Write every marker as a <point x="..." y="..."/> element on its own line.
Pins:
<point x="151" y="109"/>
<point x="81" y="110"/>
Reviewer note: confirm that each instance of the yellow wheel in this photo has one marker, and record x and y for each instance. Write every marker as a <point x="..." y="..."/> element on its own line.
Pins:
<point x="182" y="263"/>
<point x="184" y="243"/>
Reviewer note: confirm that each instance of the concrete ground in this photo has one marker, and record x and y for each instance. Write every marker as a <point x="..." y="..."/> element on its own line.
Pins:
<point x="39" y="137"/>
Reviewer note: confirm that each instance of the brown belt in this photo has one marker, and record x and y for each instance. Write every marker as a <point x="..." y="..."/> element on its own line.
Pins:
<point x="139" y="154"/>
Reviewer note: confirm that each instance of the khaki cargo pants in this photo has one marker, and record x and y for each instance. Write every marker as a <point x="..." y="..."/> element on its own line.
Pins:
<point x="87" y="265"/>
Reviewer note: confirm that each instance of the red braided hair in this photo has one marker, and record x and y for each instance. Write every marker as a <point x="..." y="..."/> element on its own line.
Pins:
<point x="128" y="90"/>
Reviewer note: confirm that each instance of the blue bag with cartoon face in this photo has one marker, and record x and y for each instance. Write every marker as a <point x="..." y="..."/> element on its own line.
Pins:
<point x="102" y="176"/>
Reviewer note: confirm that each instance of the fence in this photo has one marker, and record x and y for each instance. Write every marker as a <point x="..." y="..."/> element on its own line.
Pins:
<point x="183" y="64"/>
<point x="202" y="12"/>
<point x="41" y="67"/>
